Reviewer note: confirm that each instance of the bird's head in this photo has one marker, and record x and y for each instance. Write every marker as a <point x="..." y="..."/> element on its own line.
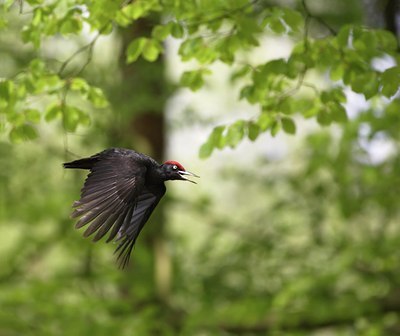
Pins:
<point x="175" y="171"/>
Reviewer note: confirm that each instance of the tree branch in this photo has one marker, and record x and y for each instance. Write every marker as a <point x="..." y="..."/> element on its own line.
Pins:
<point x="89" y="47"/>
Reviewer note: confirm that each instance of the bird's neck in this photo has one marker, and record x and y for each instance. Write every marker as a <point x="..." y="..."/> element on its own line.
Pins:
<point x="156" y="176"/>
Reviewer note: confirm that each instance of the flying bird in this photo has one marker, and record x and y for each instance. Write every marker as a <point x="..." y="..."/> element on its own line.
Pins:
<point x="120" y="193"/>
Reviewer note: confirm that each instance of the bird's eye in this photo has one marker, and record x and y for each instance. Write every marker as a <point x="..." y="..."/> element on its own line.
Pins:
<point x="174" y="167"/>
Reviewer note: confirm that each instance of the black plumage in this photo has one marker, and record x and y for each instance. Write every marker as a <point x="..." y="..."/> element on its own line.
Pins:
<point x="120" y="193"/>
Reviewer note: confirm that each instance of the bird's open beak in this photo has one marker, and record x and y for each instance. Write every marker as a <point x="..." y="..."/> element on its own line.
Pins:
<point x="183" y="174"/>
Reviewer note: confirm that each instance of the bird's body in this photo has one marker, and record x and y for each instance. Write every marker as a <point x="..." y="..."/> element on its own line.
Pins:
<point x="120" y="193"/>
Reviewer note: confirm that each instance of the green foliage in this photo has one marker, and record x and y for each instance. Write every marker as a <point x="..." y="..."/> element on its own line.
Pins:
<point x="221" y="31"/>
<point x="194" y="79"/>
<point x="21" y="112"/>
<point x="148" y="48"/>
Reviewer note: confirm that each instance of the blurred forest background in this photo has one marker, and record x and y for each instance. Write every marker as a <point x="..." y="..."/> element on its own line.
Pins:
<point x="293" y="228"/>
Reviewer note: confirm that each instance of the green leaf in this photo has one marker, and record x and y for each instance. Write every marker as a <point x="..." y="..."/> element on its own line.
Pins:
<point x="193" y="79"/>
<point x="15" y="118"/>
<point x="304" y="106"/>
<point x="37" y="17"/>
<point x="96" y="97"/>
<point x="240" y="73"/>
<point x="205" y="150"/>
<point x="177" y="30"/>
<point x="161" y="32"/>
<point x="135" y="10"/>
<point x="3" y="24"/>
<point x="288" y="125"/>
<point x="53" y="111"/>
<point x="228" y="48"/>
<point x="324" y="118"/>
<point x="71" y="118"/>
<point x="151" y="50"/>
<point x="338" y="113"/>
<point x="71" y="25"/>
<point x="79" y="84"/>
<point x="366" y="83"/>
<point x="277" y="26"/>
<point x="29" y="132"/>
<point x="235" y="133"/>
<point x="6" y="90"/>
<point x="265" y="121"/>
<point x="216" y="137"/>
<point x="390" y="81"/>
<point x="122" y="19"/>
<point x="275" y="127"/>
<point x="31" y="35"/>
<point x="190" y="47"/>
<point x="52" y="83"/>
<point x="386" y="40"/>
<point x="336" y="73"/>
<point x="32" y="115"/>
<point x="338" y="94"/>
<point x="253" y="131"/>
<point x="84" y="119"/>
<point x="34" y="2"/>
<point x="293" y="19"/>
<point x="215" y="140"/>
<point x="272" y="20"/>
<point x="23" y="133"/>
<point x="134" y="49"/>
<point x="343" y="36"/>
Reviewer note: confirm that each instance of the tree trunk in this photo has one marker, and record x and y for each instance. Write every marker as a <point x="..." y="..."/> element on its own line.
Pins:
<point x="139" y="102"/>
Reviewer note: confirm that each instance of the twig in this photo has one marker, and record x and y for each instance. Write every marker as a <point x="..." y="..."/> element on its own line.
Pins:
<point x="63" y="101"/>
<point x="89" y="57"/>
<point x="89" y="47"/>
<point x="296" y="88"/>
<point x="80" y="50"/>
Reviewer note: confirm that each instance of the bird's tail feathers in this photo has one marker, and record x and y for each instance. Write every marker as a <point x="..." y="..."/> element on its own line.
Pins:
<point x="86" y="163"/>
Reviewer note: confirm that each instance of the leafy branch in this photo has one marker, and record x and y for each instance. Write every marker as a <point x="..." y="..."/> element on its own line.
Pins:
<point x="220" y="17"/>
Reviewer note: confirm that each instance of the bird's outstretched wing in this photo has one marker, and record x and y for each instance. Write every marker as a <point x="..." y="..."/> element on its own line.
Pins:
<point x="144" y="206"/>
<point x="114" y="198"/>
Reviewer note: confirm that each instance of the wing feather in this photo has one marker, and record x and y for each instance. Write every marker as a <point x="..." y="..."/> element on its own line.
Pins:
<point x="119" y="223"/>
<point x="130" y="230"/>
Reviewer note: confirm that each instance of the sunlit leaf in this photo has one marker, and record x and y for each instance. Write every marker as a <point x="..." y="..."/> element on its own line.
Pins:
<point x="134" y="49"/>
<point x="53" y="111"/>
<point x="151" y="50"/>
<point x="97" y="98"/>
<point x="275" y="127"/>
<point x="79" y="84"/>
<point x="235" y="133"/>
<point x="23" y="133"/>
<point x="205" y="150"/>
<point x="161" y="32"/>
<point x="194" y="79"/>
